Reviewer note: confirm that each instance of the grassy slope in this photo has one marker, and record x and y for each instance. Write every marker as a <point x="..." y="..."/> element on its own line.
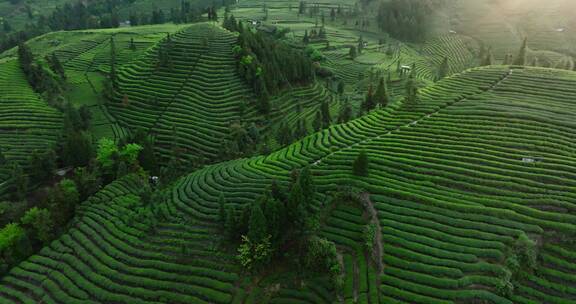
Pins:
<point x="27" y="122"/>
<point x="200" y="95"/>
<point x="85" y="55"/>
<point x="446" y="178"/>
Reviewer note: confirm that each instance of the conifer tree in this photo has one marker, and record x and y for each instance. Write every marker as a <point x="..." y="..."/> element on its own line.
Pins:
<point x="521" y="57"/>
<point x="284" y="136"/>
<point x="341" y="87"/>
<point x="317" y="123"/>
<point x="20" y="182"/>
<point x="345" y="113"/>
<point x="257" y="229"/>
<point x="381" y="95"/>
<point x="307" y="184"/>
<point x="443" y="69"/>
<point x="360" y="166"/>
<point x="352" y="53"/>
<point x="325" y="109"/>
<point x="507" y="59"/>
<point x="230" y="224"/>
<point x="295" y="198"/>
<point x="411" y="89"/>
<point x="488" y="58"/>
<point x="302" y="8"/>
<point x="369" y="103"/>
<point x="56" y="66"/>
<point x="221" y="209"/>
<point x="3" y="159"/>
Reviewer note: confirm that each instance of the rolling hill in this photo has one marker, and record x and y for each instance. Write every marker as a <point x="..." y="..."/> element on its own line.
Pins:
<point x="450" y="184"/>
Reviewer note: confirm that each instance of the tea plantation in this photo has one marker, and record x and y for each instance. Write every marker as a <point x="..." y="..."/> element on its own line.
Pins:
<point x="287" y="151"/>
<point x="447" y="180"/>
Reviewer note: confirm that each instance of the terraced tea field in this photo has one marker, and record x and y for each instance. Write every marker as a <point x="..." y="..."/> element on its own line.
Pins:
<point x="189" y="104"/>
<point x="86" y="59"/>
<point x="447" y="181"/>
<point x="27" y="122"/>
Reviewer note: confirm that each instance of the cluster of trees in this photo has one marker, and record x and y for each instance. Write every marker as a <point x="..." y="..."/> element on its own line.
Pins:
<point x="378" y="97"/>
<point x="278" y="225"/>
<point x="521" y="262"/>
<point x="267" y="64"/>
<point x="55" y="205"/>
<point x="104" y="14"/>
<point x="319" y="34"/>
<point x="406" y="20"/>
<point x="70" y="16"/>
<point x="46" y="80"/>
<point x="187" y="12"/>
<point x="242" y="140"/>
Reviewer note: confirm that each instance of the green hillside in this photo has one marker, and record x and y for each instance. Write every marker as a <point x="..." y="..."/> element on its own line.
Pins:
<point x="190" y="103"/>
<point x="287" y="151"/>
<point x="447" y="180"/>
<point x="28" y="124"/>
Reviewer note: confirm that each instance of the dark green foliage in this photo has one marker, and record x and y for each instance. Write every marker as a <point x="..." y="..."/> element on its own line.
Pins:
<point x="369" y="102"/>
<point x="269" y="65"/>
<point x="42" y="165"/>
<point x="231" y="223"/>
<point x="360" y="165"/>
<point x="3" y="159"/>
<point x="146" y="159"/>
<point x="317" y="122"/>
<point x="222" y="210"/>
<point x="325" y="110"/>
<point x="274" y="213"/>
<point x="257" y="228"/>
<point x="353" y="53"/>
<point x="307" y="183"/>
<point x="411" y="97"/>
<point x="40" y="78"/>
<point x="62" y="200"/>
<point x="306" y="38"/>
<point x="88" y="181"/>
<point x="345" y="114"/>
<point x="381" y="97"/>
<point x="302" y="7"/>
<point x="406" y="19"/>
<point x="521" y="57"/>
<point x="56" y="66"/>
<point x="39" y="224"/>
<point x="527" y="253"/>
<point x="295" y="198"/>
<point x="284" y="135"/>
<point x="321" y="257"/>
<point x="341" y="87"/>
<point x="443" y="69"/>
<point x="77" y="149"/>
<point x="14" y="246"/>
<point x="487" y="59"/>
<point x="276" y="192"/>
<point x="20" y="182"/>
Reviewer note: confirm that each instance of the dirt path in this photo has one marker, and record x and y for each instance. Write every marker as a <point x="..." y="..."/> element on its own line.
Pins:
<point x="377" y="250"/>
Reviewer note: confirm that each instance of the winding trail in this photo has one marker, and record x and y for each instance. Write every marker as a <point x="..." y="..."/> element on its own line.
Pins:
<point x="377" y="252"/>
